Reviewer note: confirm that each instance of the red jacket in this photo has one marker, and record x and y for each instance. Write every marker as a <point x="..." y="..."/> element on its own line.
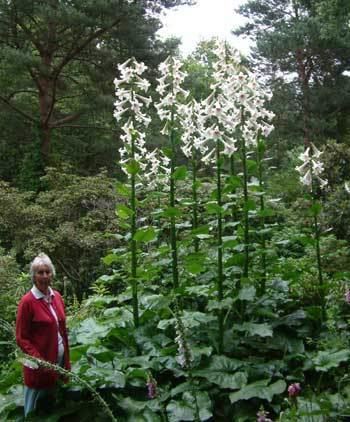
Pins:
<point x="36" y="335"/>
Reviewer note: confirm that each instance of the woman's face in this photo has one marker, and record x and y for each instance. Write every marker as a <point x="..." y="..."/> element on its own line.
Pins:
<point x="42" y="278"/>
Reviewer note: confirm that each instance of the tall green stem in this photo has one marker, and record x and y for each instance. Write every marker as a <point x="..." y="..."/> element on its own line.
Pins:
<point x="194" y="198"/>
<point x="262" y="210"/>
<point x="173" y="240"/>
<point x="319" y="264"/>
<point x="219" y="247"/>
<point x="133" y="246"/>
<point x="245" y="208"/>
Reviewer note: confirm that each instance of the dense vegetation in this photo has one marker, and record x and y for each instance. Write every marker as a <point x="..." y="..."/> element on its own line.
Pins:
<point x="203" y="256"/>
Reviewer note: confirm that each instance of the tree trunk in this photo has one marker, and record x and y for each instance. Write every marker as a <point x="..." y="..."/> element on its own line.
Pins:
<point x="46" y="85"/>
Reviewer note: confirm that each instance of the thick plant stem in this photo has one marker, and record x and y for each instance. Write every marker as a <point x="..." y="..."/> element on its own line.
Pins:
<point x="262" y="286"/>
<point x="245" y="210"/>
<point x="233" y="173"/>
<point x="220" y="276"/>
<point x="194" y="198"/>
<point x="133" y="246"/>
<point x="173" y="240"/>
<point x="319" y="267"/>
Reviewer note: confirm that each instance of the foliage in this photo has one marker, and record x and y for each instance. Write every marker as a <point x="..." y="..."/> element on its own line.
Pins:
<point x="73" y="220"/>
<point x="278" y="326"/>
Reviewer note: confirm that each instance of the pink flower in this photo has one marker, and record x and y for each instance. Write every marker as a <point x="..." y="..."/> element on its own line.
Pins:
<point x="151" y="387"/>
<point x="294" y="389"/>
<point x="262" y="416"/>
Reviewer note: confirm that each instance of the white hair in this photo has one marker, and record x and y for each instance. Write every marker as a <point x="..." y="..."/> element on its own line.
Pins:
<point x="41" y="259"/>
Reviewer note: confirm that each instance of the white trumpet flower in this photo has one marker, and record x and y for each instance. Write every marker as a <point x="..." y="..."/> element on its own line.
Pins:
<point x="129" y="105"/>
<point x="170" y="89"/>
<point x="236" y="102"/>
<point x="311" y="167"/>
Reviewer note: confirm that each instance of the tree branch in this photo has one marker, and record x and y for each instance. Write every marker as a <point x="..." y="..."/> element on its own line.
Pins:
<point x="67" y="119"/>
<point x="107" y="129"/>
<point x="17" y="110"/>
<point x="70" y="56"/>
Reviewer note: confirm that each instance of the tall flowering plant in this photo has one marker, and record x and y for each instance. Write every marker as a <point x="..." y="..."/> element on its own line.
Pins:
<point x="172" y="96"/>
<point x="310" y="172"/>
<point x="235" y="117"/>
<point x="193" y="146"/>
<point x="129" y="107"/>
<point x="222" y="118"/>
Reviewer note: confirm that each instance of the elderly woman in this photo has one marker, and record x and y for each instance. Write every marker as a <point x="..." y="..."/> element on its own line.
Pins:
<point x="41" y="332"/>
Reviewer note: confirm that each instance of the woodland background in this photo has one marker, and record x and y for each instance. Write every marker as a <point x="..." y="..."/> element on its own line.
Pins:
<point x="59" y="166"/>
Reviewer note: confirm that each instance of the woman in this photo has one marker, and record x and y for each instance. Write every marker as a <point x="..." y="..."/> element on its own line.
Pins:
<point x="41" y="332"/>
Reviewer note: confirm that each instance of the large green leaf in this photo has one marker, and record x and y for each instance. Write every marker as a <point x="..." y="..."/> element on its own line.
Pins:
<point x="180" y="173"/>
<point x="185" y="409"/>
<point x="287" y="343"/>
<point x="105" y="377"/>
<point x="147" y="416"/>
<point x="222" y="379"/>
<point x="194" y="262"/>
<point x="110" y="258"/>
<point x="220" y="304"/>
<point x="247" y="293"/>
<point x="171" y="212"/>
<point x="136" y="407"/>
<point x="326" y="360"/>
<point x="156" y="302"/>
<point x="123" y="211"/>
<point x="101" y="353"/>
<point x="213" y="208"/>
<point x="260" y="389"/>
<point x="223" y="372"/>
<point x="11" y="400"/>
<point x="189" y="319"/>
<point x="292" y="319"/>
<point x="90" y="330"/>
<point x="145" y="235"/>
<point x="123" y="190"/>
<point x="261" y="330"/>
<point x="132" y="167"/>
<point x="201" y="230"/>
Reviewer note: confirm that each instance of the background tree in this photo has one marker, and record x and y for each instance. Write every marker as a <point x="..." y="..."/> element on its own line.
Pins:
<point x="305" y="65"/>
<point x="63" y="55"/>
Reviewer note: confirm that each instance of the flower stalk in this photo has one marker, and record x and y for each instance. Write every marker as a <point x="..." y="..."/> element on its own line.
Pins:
<point x="171" y="92"/>
<point x="245" y="207"/>
<point x="319" y="262"/>
<point x="173" y="234"/>
<point x="133" y="245"/>
<point x="220" y="275"/>
<point x="40" y="363"/>
<point x="260" y="156"/>
<point x="310" y="171"/>
<point x="129" y="106"/>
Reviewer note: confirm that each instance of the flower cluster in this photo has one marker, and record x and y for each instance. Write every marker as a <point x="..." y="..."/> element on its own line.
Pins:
<point x="184" y="353"/>
<point x="192" y="120"/>
<point x="236" y="101"/>
<point x="128" y="87"/>
<point x="311" y="168"/>
<point x="171" y="92"/>
<point x="262" y="416"/>
<point x="294" y="389"/>
<point x="151" y="387"/>
<point x="130" y="104"/>
<point x="156" y="169"/>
